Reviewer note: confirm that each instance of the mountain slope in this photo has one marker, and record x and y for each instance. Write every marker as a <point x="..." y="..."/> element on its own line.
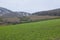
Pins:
<point x="23" y="13"/>
<point x="8" y="13"/>
<point x="4" y="11"/>
<point x="54" y="12"/>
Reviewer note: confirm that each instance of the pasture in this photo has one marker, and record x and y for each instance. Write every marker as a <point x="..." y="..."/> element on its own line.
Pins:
<point x="43" y="30"/>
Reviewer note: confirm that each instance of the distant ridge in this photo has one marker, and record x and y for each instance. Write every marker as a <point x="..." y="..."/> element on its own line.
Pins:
<point x="54" y="12"/>
<point x="4" y="12"/>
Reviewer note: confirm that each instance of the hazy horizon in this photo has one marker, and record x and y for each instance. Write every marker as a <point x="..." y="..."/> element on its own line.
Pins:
<point x="30" y="5"/>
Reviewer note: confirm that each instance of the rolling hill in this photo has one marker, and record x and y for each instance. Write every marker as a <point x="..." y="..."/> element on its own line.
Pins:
<point x="54" y="12"/>
<point x="43" y="30"/>
<point x="4" y="12"/>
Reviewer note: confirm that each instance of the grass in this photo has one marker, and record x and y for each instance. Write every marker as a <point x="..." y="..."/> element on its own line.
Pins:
<point x="43" y="30"/>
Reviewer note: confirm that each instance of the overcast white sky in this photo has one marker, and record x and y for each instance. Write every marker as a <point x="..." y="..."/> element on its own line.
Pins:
<point x="30" y="5"/>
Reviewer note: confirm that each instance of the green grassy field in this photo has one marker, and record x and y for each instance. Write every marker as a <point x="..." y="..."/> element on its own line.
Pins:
<point x="43" y="30"/>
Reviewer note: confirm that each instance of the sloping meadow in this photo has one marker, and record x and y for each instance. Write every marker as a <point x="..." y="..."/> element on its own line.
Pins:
<point x="43" y="30"/>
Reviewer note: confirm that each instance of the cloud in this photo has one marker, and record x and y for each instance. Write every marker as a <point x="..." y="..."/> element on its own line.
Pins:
<point x="30" y="5"/>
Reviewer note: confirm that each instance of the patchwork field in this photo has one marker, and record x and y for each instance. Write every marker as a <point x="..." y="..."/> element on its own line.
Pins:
<point x="43" y="30"/>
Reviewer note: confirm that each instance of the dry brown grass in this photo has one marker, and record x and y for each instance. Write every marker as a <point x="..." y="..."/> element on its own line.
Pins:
<point x="42" y="17"/>
<point x="15" y="19"/>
